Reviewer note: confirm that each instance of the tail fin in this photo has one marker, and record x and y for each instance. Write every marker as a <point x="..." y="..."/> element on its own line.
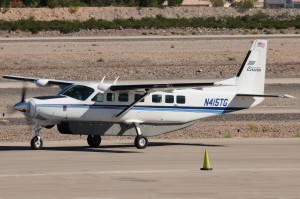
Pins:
<point x="251" y="76"/>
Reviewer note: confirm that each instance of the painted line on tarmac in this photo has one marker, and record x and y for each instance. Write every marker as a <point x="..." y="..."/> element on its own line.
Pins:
<point x="145" y="172"/>
<point x="262" y="169"/>
<point x="94" y="173"/>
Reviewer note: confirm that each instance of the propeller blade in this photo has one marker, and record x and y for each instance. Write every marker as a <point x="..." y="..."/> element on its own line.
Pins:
<point x="23" y="95"/>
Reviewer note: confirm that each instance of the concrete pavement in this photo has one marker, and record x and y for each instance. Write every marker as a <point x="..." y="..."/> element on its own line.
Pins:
<point x="242" y="168"/>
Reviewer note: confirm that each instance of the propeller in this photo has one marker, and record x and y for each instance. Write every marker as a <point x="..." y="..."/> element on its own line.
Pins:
<point x="22" y="105"/>
<point x="23" y="93"/>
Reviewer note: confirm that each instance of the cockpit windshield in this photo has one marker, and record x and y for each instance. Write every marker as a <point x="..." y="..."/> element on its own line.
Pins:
<point x="78" y="92"/>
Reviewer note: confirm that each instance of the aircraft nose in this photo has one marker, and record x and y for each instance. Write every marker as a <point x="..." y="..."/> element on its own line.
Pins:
<point x="21" y="106"/>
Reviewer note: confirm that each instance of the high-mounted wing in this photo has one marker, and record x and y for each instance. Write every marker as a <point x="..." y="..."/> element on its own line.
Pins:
<point x="41" y="82"/>
<point x="160" y="86"/>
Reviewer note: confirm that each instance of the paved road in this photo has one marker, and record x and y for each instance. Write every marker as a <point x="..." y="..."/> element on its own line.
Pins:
<point x="142" y="38"/>
<point x="242" y="168"/>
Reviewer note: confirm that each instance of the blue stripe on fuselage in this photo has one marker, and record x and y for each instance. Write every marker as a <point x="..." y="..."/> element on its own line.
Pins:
<point x="151" y="108"/>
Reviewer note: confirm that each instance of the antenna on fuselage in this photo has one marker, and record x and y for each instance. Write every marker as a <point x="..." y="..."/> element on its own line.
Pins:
<point x="102" y="80"/>
<point x="116" y="80"/>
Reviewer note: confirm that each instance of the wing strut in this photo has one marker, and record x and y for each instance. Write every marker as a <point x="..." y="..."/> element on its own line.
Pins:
<point x="123" y="112"/>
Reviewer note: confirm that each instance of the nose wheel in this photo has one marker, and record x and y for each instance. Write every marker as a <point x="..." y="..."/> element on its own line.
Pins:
<point x="37" y="142"/>
<point x="141" y="141"/>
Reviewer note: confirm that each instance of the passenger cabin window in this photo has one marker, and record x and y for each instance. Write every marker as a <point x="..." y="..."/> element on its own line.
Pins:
<point x="138" y="96"/>
<point x="156" y="98"/>
<point x="180" y="99"/>
<point x="169" y="99"/>
<point x="110" y="97"/>
<point x="123" y="97"/>
<point x="98" y="98"/>
<point x="78" y="92"/>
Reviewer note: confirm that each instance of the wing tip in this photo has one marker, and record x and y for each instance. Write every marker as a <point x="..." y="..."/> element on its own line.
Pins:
<point x="288" y="96"/>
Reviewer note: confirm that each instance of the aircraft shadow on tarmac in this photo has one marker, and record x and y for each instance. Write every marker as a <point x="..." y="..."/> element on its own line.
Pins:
<point x="106" y="148"/>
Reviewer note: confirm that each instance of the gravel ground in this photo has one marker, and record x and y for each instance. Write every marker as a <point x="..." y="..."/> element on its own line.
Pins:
<point x="111" y="13"/>
<point x="143" y="59"/>
<point x="263" y="126"/>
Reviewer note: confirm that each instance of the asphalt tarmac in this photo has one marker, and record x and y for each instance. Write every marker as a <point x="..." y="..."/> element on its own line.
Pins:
<point x="242" y="168"/>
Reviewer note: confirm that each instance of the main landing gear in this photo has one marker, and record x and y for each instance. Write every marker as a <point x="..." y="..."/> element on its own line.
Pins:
<point x="37" y="142"/>
<point x="94" y="140"/>
<point x="140" y="142"/>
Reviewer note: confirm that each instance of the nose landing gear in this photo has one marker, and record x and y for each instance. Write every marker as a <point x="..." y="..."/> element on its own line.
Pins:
<point x="37" y="142"/>
<point x="141" y="141"/>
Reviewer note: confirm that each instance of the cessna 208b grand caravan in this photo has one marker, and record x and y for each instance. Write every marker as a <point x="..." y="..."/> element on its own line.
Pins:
<point x="99" y="109"/>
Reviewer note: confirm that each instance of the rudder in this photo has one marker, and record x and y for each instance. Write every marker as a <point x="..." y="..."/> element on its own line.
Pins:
<point x="251" y="76"/>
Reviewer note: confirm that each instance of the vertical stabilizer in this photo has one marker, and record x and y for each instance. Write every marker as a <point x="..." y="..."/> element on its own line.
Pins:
<point x="251" y="76"/>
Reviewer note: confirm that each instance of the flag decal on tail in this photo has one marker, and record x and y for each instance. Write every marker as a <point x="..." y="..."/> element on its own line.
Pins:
<point x="260" y="45"/>
<point x="251" y="63"/>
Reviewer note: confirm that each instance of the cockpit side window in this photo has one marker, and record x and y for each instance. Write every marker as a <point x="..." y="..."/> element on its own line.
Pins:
<point x="78" y="92"/>
<point x="98" y="98"/>
<point x="65" y="89"/>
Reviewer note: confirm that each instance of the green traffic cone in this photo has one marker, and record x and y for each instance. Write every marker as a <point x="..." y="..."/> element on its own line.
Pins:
<point x="206" y="163"/>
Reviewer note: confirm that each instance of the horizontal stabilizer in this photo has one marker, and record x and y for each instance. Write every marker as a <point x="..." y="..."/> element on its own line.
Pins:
<point x="253" y="95"/>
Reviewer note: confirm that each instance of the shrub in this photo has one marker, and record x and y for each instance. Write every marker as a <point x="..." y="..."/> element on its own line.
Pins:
<point x="245" y="22"/>
<point x="174" y="2"/>
<point x="73" y="10"/>
<point x="150" y="3"/>
<point x="64" y="3"/>
<point x="244" y="4"/>
<point x="130" y="3"/>
<point x="16" y="3"/>
<point x="217" y="3"/>
<point x="96" y="3"/>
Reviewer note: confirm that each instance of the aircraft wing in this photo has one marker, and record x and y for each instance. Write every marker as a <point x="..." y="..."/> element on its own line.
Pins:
<point x="40" y="81"/>
<point x="161" y="87"/>
<point x="266" y="95"/>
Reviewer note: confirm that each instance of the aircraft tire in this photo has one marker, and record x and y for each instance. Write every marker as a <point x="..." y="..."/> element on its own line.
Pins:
<point x="141" y="142"/>
<point x="36" y="143"/>
<point x="94" y="140"/>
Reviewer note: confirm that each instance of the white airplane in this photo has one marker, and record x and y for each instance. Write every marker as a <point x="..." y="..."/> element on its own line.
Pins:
<point x="99" y="109"/>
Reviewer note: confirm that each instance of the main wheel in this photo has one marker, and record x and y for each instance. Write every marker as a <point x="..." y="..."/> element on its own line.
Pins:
<point x="94" y="140"/>
<point x="141" y="142"/>
<point x="36" y="143"/>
